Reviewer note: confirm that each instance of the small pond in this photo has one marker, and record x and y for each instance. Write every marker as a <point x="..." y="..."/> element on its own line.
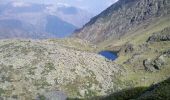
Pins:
<point x="109" y="55"/>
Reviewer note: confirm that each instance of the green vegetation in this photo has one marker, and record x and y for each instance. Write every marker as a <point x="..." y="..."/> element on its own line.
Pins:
<point x="42" y="97"/>
<point x="86" y="83"/>
<point x="126" y="94"/>
<point x="132" y="61"/>
<point x="41" y="83"/>
<point x="48" y="68"/>
<point x="159" y="91"/>
<point x="75" y="43"/>
<point x="2" y="91"/>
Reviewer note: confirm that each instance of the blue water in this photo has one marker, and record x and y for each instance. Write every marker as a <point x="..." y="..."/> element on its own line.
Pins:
<point x="109" y="55"/>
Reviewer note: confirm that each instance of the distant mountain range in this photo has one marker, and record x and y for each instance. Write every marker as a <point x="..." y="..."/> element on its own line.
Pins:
<point x="28" y="20"/>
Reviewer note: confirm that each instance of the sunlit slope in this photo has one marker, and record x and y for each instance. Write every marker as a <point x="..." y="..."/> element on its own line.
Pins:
<point x="144" y="55"/>
<point x="31" y="69"/>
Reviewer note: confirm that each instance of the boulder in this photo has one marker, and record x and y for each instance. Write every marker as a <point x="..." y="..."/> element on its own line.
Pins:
<point x="159" y="62"/>
<point x="167" y="53"/>
<point x="127" y="48"/>
<point x="52" y="95"/>
<point x="148" y="65"/>
<point x="154" y="65"/>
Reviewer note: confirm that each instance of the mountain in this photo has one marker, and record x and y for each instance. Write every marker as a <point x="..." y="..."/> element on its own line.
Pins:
<point x="123" y="18"/>
<point x="56" y="25"/>
<point x="13" y="28"/>
<point x="76" y="16"/>
<point x="139" y="30"/>
<point x="37" y="21"/>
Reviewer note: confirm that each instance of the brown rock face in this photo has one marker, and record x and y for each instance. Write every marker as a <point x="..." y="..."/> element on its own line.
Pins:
<point x="121" y="18"/>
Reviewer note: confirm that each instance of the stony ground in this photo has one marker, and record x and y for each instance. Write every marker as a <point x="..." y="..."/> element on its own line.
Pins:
<point x="39" y="69"/>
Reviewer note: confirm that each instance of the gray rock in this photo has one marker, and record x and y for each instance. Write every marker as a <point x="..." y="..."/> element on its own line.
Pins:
<point x="53" y="95"/>
<point x="157" y="38"/>
<point x="167" y="53"/>
<point x="148" y="65"/>
<point x="163" y="35"/>
<point x="154" y="65"/>
<point x="127" y="48"/>
<point x="159" y="62"/>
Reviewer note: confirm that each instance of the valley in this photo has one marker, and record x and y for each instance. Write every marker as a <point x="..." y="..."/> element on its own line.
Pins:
<point x="19" y="19"/>
<point x="121" y="54"/>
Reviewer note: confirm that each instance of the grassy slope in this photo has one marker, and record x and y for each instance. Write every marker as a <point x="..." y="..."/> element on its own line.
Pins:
<point x="159" y="91"/>
<point x="141" y="77"/>
<point x="75" y="43"/>
<point x="138" y="35"/>
<point x="135" y="73"/>
<point x="135" y="80"/>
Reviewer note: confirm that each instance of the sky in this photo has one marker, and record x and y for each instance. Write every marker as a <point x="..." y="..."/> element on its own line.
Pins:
<point x="93" y="6"/>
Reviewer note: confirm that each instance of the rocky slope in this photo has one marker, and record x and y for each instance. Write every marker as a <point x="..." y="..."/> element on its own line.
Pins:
<point x="145" y="58"/>
<point x="123" y="17"/>
<point x="34" y="69"/>
<point x="139" y="31"/>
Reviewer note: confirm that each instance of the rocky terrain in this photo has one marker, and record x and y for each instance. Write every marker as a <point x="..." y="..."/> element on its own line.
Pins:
<point x="36" y="69"/>
<point x="137" y="30"/>
<point x="122" y="18"/>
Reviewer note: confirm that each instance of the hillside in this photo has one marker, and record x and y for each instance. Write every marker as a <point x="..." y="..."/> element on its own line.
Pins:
<point x="123" y="18"/>
<point x="139" y="30"/>
<point x="36" y="69"/>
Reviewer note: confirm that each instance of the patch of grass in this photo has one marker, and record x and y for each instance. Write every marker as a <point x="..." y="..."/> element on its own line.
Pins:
<point x="74" y="43"/>
<point x="2" y="91"/>
<point x="73" y="88"/>
<point x="41" y="83"/>
<point x="90" y="93"/>
<point x="126" y="94"/>
<point x="48" y="67"/>
<point x="42" y="97"/>
<point x="159" y="91"/>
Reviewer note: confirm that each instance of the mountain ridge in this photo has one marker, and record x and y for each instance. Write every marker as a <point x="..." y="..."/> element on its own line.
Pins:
<point x="119" y="18"/>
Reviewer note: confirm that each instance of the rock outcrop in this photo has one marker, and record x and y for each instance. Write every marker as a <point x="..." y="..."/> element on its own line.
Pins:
<point x="154" y="65"/>
<point x="163" y="35"/>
